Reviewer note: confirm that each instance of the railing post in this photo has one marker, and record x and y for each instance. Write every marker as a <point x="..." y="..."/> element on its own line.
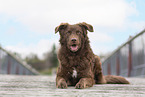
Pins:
<point x="129" y="59"/>
<point x="9" y="66"/>
<point x="109" y="69"/>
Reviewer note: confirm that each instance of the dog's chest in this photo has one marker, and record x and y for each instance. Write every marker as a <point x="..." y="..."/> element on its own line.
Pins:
<point x="74" y="73"/>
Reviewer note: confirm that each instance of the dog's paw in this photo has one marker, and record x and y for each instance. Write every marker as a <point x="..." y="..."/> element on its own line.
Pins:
<point x="80" y="85"/>
<point x="62" y="84"/>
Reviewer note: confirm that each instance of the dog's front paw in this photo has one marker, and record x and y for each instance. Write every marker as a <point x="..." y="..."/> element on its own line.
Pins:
<point x="62" y="84"/>
<point x="80" y="85"/>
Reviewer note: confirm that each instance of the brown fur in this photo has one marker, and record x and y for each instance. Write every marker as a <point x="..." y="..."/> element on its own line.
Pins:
<point x="77" y="54"/>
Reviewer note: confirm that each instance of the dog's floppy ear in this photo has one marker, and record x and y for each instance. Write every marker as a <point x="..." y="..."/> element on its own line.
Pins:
<point x="87" y="26"/>
<point x="60" y="27"/>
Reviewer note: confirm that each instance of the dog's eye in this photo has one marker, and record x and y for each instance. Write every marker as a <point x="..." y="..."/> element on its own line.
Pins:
<point x="78" y="32"/>
<point x="69" y="32"/>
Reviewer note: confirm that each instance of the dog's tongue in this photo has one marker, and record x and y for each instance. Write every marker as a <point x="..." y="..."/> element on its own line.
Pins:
<point x="74" y="48"/>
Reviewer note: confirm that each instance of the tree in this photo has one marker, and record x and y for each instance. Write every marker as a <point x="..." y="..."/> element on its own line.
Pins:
<point x="49" y="61"/>
<point x="35" y="62"/>
<point x="51" y="57"/>
<point x="54" y="59"/>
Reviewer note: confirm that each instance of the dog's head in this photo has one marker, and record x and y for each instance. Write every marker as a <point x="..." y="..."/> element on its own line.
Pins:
<point x="73" y="36"/>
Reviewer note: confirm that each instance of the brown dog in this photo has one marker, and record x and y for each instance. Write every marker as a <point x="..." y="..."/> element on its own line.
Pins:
<point x="78" y="66"/>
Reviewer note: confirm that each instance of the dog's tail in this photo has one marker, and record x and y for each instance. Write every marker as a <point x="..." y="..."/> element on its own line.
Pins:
<point x="112" y="79"/>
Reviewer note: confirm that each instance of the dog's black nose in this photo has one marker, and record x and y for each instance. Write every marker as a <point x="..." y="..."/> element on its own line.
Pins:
<point x="73" y="39"/>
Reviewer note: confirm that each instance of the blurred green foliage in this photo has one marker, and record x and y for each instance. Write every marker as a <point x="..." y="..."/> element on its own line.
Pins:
<point x="46" y="64"/>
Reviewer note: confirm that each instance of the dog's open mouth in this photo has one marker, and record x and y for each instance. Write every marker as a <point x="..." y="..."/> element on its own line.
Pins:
<point x="74" y="47"/>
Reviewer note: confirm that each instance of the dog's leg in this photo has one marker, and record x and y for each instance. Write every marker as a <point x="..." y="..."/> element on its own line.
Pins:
<point x="99" y="78"/>
<point x="109" y="79"/>
<point x="61" y="83"/>
<point x="84" y="83"/>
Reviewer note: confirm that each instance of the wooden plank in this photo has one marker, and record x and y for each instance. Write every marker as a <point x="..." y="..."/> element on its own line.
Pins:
<point x="44" y="86"/>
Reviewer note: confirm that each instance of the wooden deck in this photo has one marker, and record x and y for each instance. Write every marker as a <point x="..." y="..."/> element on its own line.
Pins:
<point x="44" y="86"/>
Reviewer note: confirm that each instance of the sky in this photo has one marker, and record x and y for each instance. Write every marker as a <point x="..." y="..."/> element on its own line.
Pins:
<point x="27" y="26"/>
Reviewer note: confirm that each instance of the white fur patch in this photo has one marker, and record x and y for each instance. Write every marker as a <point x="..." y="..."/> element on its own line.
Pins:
<point x="74" y="75"/>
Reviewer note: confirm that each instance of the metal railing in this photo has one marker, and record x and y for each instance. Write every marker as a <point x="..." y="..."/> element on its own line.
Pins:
<point x="129" y="59"/>
<point x="10" y="64"/>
